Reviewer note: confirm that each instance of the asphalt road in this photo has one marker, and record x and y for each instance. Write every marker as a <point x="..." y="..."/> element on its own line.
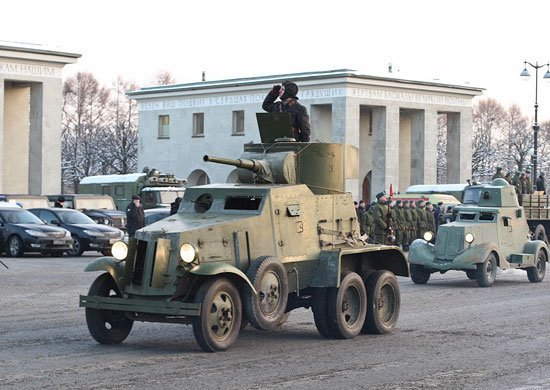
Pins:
<point x="451" y="335"/>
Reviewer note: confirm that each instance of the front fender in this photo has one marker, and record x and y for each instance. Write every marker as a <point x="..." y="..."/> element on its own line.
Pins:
<point x="215" y="268"/>
<point x="422" y="253"/>
<point x="534" y="246"/>
<point x="474" y="255"/>
<point x="109" y="264"/>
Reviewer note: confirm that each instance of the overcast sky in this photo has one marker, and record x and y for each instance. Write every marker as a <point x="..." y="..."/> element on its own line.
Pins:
<point x="478" y="43"/>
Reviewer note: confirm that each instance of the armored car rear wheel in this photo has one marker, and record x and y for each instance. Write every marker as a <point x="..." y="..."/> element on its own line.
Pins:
<point x="347" y="307"/>
<point x="320" y="312"/>
<point x="536" y="273"/>
<point x="384" y="303"/>
<point x="486" y="272"/>
<point x="107" y="326"/>
<point x="266" y="309"/>
<point x="218" y="326"/>
<point x="471" y="274"/>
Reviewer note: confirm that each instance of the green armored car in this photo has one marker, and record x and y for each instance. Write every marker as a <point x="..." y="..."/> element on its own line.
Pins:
<point x="490" y="232"/>
<point x="285" y="236"/>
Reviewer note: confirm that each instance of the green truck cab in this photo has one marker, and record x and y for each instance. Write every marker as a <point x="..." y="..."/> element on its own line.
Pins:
<point x="155" y="188"/>
<point x="490" y="231"/>
<point x="285" y="236"/>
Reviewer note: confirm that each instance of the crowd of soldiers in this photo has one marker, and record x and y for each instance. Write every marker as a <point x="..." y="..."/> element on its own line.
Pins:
<point x="398" y="222"/>
<point x="522" y="181"/>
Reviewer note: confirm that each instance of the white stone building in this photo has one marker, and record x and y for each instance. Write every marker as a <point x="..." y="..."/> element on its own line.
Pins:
<point x="392" y="121"/>
<point x="30" y="118"/>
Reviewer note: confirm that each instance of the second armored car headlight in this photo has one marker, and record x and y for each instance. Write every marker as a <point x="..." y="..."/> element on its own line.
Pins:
<point x="119" y="250"/>
<point x="469" y="238"/>
<point x="428" y="236"/>
<point x="187" y="253"/>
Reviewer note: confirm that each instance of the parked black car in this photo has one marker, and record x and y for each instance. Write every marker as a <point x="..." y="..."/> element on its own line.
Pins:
<point x="22" y="231"/>
<point x="87" y="234"/>
<point x="154" y="215"/>
<point x="100" y="208"/>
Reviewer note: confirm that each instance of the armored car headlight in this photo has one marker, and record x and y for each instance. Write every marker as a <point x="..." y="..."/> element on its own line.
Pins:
<point x="469" y="238"/>
<point x="36" y="233"/>
<point x="119" y="250"/>
<point x="187" y="253"/>
<point x="428" y="236"/>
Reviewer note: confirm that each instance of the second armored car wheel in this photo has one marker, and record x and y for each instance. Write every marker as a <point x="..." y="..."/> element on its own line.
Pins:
<point x="486" y="272"/>
<point x="217" y="327"/>
<point x="419" y="274"/>
<point x="107" y="326"/>
<point x="347" y="307"/>
<point x="536" y="273"/>
<point x="266" y="309"/>
<point x="384" y="302"/>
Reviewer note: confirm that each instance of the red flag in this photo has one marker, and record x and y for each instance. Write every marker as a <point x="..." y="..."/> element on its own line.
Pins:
<point x="391" y="190"/>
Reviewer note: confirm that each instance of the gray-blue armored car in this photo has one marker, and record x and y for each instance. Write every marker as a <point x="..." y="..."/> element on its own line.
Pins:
<point x="490" y="231"/>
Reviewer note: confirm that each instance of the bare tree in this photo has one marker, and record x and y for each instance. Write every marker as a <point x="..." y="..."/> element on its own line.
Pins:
<point x="488" y="119"/>
<point x="517" y="138"/>
<point x="120" y="137"/>
<point x="85" y="105"/>
<point x="164" y="77"/>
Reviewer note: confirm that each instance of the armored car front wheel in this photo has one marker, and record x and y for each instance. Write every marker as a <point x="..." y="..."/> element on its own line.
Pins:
<point x="217" y="327"/>
<point x="486" y="272"/>
<point x="419" y="274"/>
<point x="107" y="326"/>
<point x="536" y="273"/>
<point x="384" y="303"/>
<point x="266" y="309"/>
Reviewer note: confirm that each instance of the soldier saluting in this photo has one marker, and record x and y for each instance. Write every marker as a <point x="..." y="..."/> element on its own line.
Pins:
<point x="289" y="103"/>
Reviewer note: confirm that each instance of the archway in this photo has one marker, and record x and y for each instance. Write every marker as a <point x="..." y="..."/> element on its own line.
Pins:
<point x="197" y="178"/>
<point x="367" y="187"/>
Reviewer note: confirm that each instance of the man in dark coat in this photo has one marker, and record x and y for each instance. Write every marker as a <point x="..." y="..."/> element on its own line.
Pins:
<point x="135" y="216"/>
<point x="289" y="103"/>
<point x="59" y="203"/>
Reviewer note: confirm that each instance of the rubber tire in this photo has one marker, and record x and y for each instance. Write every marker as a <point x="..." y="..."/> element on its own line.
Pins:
<point x="320" y="313"/>
<point x="265" y="310"/>
<point x="486" y="272"/>
<point x="347" y="307"/>
<point x="119" y="325"/>
<point x="536" y="273"/>
<point x="382" y="293"/>
<point x="419" y="274"/>
<point x="217" y="295"/>
<point x="471" y="274"/>
<point x="78" y="247"/>
<point x="14" y="247"/>
<point x="540" y="234"/>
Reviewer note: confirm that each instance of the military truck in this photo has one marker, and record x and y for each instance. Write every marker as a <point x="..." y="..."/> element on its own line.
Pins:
<point x="285" y="236"/>
<point x="490" y="232"/>
<point x="155" y="188"/>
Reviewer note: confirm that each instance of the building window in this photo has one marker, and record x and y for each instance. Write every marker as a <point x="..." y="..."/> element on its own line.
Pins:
<point x="198" y="124"/>
<point x="238" y="123"/>
<point x="164" y="126"/>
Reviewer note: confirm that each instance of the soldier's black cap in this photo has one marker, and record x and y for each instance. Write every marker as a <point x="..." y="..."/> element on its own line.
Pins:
<point x="61" y="198"/>
<point x="291" y="90"/>
<point x="398" y="202"/>
<point x="134" y="197"/>
<point x="380" y="194"/>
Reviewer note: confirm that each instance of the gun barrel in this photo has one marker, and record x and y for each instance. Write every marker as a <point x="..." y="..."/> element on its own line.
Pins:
<point x="239" y="162"/>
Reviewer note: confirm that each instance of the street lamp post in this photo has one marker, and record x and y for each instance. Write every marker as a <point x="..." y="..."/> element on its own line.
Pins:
<point x="525" y="76"/>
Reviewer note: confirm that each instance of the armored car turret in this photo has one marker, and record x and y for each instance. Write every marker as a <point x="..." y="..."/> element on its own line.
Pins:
<point x="285" y="236"/>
